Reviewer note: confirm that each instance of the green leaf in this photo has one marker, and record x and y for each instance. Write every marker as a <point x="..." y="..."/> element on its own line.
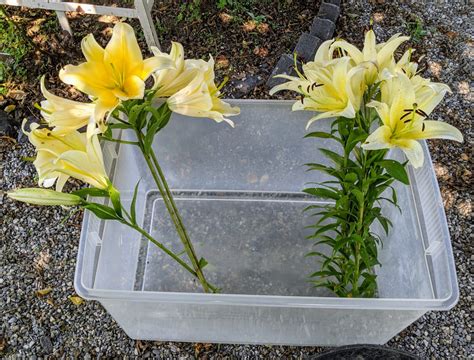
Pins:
<point x="326" y="169"/>
<point x="83" y="193"/>
<point x="158" y="121"/>
<point x="355" y="137"/>
<point x="115" y="198"/>
<point x="107" y="133"/>
<point x="351" y="178"/>
<point x="103" y="211"/>
<point x="342" y="127"/>
<point x="202" y="263"/>
<point x="315" y="253"/>
<point x="322" y="273"/>
<point x="149" y="137"/>
<point x="336" y="158"/>
<point x="118" y="126"/>
<point x="359" y="196"/>
<point x="386" y="223"/>
<point x="134" y="114"/>
<point x="319" y="134"/>
<point x="395" y="169"/>
<point x="133" y="212"/>
<point x="323" y="229"/>
<point x="322" y="193"/>
<point x="322" y="135"/>
<point x="394" y="196"/>
<point x="162" y="115"/>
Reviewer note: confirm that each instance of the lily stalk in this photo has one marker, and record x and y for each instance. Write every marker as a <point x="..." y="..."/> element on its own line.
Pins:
<point x="115" y="80"/>
<point x="145" y="121"/>
<point x="362" y="89"/>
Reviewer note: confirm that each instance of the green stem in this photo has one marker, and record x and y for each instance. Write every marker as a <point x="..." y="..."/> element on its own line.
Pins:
<point x="185" y="239"/>
<point x="167" y="199"/>
<point x="162" y="247"/>
<point x="119" y="141"/>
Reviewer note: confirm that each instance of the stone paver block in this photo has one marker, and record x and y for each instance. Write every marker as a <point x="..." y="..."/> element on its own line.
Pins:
<point x="334" y="2"/>
<point x="284" y="66"/>
<point x="307" y="46"/>
<point x="329" y="11"/>
<point x="323" y="28"/>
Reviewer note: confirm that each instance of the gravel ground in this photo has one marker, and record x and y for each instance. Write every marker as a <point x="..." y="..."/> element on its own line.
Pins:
<point x="39" y="245"/>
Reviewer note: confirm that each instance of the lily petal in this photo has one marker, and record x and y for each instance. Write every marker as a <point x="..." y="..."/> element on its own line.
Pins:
<point x="432" y="129"/>
<point x="369" y="51"/>
<point x="156" y="63"/>
<point x="379" y="139"/>
<point x="382" y="109"/>
<point x="91" y="49"/>
<point x="413" y="151"/>
<point x="122" y="50"/>
<point x="351" y="50"/>
<point x="385" y="54"/>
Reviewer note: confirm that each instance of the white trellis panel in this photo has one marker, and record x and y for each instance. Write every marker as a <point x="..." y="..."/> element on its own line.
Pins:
<point x="141" y="10"/>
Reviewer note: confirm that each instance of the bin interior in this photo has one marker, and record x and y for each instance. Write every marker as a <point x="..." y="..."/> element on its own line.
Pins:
<point x="238" y="191"/>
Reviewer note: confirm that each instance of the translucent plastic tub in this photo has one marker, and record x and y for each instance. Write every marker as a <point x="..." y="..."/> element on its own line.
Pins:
<point x="238" y="191"/>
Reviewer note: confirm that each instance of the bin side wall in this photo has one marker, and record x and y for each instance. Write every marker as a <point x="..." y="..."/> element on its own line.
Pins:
<point x="258" y="325"/>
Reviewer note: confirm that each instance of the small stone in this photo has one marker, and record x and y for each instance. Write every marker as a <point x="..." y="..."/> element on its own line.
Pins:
<point x="6" y="128"/>
<point x="246" y="85"/>
<point x="46" y="344"/>
<point x="322" y="28"/>
<point x="307" y="46"/>
<point x="329" y="11"/>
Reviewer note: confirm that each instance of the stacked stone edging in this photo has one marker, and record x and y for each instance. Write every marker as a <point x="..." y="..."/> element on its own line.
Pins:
<point x="322" y="29"/>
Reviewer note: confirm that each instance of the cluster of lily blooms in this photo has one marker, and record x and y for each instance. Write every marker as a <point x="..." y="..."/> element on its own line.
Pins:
<point x="333" y="85"/>
<point x="110" y="76"/>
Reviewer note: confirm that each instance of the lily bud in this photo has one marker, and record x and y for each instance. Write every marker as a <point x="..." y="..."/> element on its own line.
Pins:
<point x="44" y="197"/>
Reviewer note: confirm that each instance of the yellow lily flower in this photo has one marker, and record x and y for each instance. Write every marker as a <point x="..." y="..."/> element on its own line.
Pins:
<point x="62" y="114"/>
<point x="115" y="73"/>
<point x="403" y="112"/>
<point x="44" y="197"/>
<point x="405" y="65"/>
<point x="333" y="90"/>
<point x="325" y="53"/>
<point x="60" y="156"/>
<point x="170" y="81"/>
<point x="201" y="97"/>
<point x="373" y="57"/>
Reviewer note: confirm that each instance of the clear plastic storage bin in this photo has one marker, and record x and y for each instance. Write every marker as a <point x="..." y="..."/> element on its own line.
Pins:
<point x="239" y="193"/>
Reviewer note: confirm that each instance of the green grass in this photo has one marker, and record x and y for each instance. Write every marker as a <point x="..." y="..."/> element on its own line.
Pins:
<point x="194" y="10"/>
<point x="14" y="43"/>
<point x="416" y="29"/>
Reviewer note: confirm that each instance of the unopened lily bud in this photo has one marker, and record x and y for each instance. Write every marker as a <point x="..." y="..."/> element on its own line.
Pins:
<point x="44" y="197"/>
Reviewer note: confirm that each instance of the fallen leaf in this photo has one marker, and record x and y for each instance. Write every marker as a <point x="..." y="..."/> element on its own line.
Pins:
<point x="452" y="34"/>
<point x="222" y="62"/>
<point x="263" y="28"/>
<point x="9" y="108"/>
<point x="3" y="343"/>
<point x="108" y="19"/>
<point x="50" y="301"/>
<point x="260" y="51"/>
<point x="225" y="18"/>
<point x="16" y="94"/>
<point x="76" y="300"/>
<point x="44" y="291"/>
<point x="249" y="25"/>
